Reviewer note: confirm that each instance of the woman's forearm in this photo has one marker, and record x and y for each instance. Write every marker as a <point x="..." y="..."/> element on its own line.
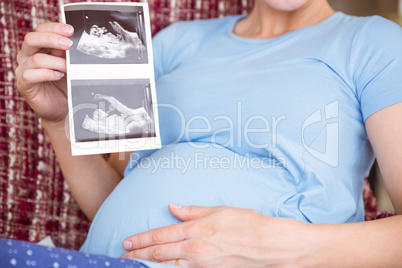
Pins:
<point x="90" y="178"/>
<point x="365" y="244"/>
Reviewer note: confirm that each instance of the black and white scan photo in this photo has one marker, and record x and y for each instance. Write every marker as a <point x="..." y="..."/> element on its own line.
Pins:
<point x="110" y="78"/>
<point x="107" y="35"/>
<point x="112" y="109"/>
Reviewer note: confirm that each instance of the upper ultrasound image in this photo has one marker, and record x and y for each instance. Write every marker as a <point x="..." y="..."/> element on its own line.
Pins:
<point x="107" y="37"/>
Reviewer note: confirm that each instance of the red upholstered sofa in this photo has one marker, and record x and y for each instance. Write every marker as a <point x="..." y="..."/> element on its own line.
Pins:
<point x="34" y="200"/>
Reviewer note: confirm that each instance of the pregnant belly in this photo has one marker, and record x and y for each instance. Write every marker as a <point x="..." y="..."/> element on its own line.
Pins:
<point x="184" y="175"/>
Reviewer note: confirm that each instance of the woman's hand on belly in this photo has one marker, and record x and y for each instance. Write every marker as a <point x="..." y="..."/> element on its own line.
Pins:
<point x="223" y="237"/>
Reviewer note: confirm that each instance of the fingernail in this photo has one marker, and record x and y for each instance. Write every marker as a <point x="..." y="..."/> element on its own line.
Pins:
<point x="67" y="29"/>
<point x="175" y="206"/>
<point x="127" y="245"/>
<point x="66" y="42"/>
<point x="59" y="74"/>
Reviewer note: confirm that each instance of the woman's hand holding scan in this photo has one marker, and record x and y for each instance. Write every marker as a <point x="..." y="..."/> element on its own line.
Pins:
<point x="41" y="69"/>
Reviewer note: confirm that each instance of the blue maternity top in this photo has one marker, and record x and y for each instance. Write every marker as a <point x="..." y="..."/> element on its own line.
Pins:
<point x="275" y="125"/>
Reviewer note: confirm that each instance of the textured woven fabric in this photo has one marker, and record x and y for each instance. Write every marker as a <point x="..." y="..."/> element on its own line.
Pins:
<point x="34" y="200"/>
<point x="370" y="205"/>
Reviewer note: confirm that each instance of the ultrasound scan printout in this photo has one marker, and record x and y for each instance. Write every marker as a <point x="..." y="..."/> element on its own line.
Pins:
<point x="110" y="77"/>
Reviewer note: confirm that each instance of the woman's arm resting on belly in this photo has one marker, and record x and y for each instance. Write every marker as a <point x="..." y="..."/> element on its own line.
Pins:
<point x="222" y="237"/>
<point x="384" y="129"/>
<point x="231" y="237"/>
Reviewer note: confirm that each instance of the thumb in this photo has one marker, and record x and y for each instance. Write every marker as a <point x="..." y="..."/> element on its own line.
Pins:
<point x="185" y="213"/>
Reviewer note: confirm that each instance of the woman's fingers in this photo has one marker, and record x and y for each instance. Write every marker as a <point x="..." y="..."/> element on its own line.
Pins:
<point x="47" y="35"/>
<point x="40" y="61"/>
<point x="36" y="41"/>
<point x="40" y="68"/>
<point x="33" y="76"/>
<point x="165" y="235"/>
<point x="162" y="253"/>
<point x="178" y="262"/>
<point x="56" y="27"/>
<point x="167" y="254"/>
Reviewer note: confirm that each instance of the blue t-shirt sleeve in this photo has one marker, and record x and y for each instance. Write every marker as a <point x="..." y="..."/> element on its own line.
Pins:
<point x="163" y="45"/>
<point x="376" y="63"/>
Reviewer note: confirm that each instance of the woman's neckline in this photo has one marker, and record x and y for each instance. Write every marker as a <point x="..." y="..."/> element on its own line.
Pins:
<point x="252" y="40"/>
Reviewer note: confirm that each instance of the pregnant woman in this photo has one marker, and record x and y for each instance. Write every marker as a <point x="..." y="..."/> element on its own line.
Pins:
<point x="269" y="123"/>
